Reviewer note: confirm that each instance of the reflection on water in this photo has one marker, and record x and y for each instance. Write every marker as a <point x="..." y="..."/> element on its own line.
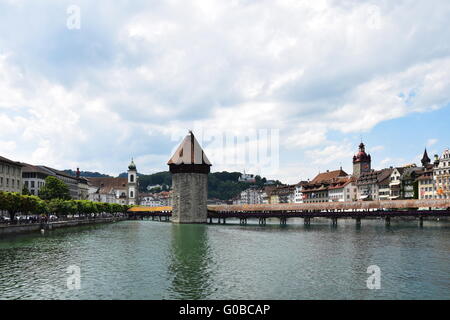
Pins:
<point x="154" y="260"/>
<point x="190" y="261"/>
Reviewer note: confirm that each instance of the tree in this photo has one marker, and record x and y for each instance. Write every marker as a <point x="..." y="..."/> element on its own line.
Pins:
<point x="25" y="191"/>
<point x="54" y="189"/>
<point x="11" y="202"/>
<point x="57" y="207"/>
<point x="28" y="204"/>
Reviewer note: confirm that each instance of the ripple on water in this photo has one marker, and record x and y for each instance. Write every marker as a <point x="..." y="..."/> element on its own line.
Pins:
<point x="153" y="260"/>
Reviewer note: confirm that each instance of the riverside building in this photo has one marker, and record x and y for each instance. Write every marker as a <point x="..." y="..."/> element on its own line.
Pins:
<point x="10" y="175"/>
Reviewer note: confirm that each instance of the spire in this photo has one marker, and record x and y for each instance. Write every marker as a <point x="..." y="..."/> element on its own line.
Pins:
<point x="425" y="159"/>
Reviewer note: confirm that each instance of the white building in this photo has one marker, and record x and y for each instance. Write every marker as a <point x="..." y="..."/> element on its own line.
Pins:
<point x="343" y="189"/>
<point x="10" y="175"/>
<point x="249" y="178"/>
<point x="441" y="174"/>
<point x="298" y="193"/>
<point x="34" y="177"/>
<point x="149" y="200"/>
<point x="251" y="196"/>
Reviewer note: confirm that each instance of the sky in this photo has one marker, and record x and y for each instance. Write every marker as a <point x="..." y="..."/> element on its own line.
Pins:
<point x="281" y="88"/>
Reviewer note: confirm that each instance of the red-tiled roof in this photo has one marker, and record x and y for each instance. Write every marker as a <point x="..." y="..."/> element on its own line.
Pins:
<point x="329" y="175"/>
<point x="106" y="184"/>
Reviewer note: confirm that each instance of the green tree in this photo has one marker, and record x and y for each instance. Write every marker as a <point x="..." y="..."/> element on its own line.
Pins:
<point x="54" y="189"/>
<point x="25" y="191"/>
<point x="11" y="202"/>
<point x="58" y="207"/>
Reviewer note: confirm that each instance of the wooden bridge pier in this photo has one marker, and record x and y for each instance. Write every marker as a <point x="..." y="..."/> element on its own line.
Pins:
<point x="307" y="221"/>
<point x="243" y="221"/>
<point x="358" y="221"/>
<point x="283" y="221"/>
<point x="262" y="221"/>
<point x="421" y="221"/>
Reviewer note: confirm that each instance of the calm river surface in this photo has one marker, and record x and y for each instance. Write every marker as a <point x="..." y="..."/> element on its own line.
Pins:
<point x="157" y="260"/>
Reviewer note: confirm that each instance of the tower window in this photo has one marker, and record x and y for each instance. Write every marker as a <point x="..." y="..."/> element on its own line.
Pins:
<point x="131" y="194"/>
<point x="132" y="178"/>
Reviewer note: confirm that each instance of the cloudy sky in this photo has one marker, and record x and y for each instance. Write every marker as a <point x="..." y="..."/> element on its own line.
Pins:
<point x="311" y="78"/>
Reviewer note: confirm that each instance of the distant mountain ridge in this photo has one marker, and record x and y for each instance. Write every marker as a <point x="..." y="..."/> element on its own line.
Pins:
<point x="87" y="174"/>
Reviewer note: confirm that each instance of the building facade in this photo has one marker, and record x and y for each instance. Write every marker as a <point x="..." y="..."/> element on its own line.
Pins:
<point x="251" y="196"/>
<point x="10" y="175"/>
<point x="298" y="192"/>
<point x="404" y="182"/>
<point x="34" y="177"/>
<point x="441" y="174"/>
<point x="317" y="190"/>
<point x="342" y="189"/>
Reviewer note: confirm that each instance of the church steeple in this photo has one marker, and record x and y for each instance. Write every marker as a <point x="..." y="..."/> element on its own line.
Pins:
<point x="425" y="159"/>
<point x="361" y="161"/>
<point x="132" y="184"/>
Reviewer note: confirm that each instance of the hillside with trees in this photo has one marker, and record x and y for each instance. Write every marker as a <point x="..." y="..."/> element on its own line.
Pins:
<point x="221" y="185"/>
<point x="89" y="174"/>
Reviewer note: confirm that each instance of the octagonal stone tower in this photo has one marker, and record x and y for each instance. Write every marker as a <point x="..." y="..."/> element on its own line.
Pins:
<point x="189" y="167"/>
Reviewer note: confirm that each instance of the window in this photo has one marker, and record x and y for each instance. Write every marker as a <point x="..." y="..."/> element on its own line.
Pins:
<point x="132" y="178"/>
<point x="131" y="194"/>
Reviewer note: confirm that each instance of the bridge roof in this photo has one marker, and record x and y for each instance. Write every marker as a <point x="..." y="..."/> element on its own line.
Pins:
<point x="149" y="209"/>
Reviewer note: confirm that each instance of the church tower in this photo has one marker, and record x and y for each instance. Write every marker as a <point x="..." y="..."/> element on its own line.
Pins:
<point x="189" y="167"/>
<point x="132" y="184"/>
<point x="425" y="159"/>
<point x="361" y="162"/>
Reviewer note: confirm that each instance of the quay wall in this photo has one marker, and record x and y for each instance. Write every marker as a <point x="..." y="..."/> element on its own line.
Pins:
<point x="33" y="227"/>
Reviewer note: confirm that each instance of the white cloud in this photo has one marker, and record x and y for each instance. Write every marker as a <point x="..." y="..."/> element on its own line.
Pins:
<point x="134" y="75"/>
<point x="431" y="142"/>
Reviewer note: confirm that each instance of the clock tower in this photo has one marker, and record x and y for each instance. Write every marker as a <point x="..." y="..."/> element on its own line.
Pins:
<point x="361" y="162"/>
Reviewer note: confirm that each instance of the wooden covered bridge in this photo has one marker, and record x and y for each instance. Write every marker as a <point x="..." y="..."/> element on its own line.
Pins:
<point x="357" y="210"/>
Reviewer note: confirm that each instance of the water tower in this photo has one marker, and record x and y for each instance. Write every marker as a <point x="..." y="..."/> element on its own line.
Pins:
<point x="189" y="167"/>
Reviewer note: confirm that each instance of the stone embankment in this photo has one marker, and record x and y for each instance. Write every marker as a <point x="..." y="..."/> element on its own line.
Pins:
<point x="33" y="227"/>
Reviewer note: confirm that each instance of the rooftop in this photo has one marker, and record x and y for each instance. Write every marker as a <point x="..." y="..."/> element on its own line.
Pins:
<point x="189" y="152"/>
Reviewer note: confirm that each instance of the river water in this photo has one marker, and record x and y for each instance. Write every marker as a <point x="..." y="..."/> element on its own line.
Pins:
<point x="160" y="260"/>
